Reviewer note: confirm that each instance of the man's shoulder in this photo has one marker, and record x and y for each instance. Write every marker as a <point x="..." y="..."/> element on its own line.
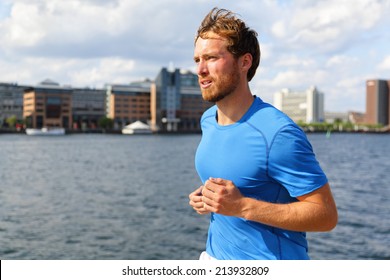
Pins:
<point x="265" y="115"/>
<point x="269" y="120"/>
<point x="209" y="113"/>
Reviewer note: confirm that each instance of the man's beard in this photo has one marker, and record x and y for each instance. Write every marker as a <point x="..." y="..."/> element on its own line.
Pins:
<point x="222" y="87"/>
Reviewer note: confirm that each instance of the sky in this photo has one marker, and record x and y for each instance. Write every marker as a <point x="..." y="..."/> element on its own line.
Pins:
<point x="335" y="45"/>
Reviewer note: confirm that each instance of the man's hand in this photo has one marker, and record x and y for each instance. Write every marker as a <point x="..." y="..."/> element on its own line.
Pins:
<point x="222" y="196"/>
<point x="196" y="201"/>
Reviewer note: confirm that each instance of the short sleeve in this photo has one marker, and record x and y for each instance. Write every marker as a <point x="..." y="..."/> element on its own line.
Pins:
<point x="292" y="162"/>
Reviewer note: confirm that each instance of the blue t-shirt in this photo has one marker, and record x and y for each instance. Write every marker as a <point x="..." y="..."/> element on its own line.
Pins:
<point x="268" y="157"/>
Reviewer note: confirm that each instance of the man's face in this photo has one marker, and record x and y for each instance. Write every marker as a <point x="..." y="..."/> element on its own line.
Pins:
<point x="217" y="69"/>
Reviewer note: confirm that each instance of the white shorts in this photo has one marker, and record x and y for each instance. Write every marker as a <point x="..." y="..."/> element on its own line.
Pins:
<point x="206" y="257"/>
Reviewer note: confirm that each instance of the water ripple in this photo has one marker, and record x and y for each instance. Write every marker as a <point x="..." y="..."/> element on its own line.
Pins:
<point x="115" y="197"/>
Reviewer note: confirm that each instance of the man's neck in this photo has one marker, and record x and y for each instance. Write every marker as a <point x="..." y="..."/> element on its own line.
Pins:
<point x="233" y="107"/>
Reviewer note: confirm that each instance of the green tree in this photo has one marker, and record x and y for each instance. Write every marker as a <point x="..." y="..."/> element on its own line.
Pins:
<point x="11" y="121"/>
<point x="105" y="123"/>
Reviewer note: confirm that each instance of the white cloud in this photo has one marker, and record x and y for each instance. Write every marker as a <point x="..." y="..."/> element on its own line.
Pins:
<point x="115" y="70"/>
<point x="385" y="64"/>
<point x="295" y="79"/>
<point x="23" y="28"/>
<point x="353" y="82"/>
<point x="329" y="25"/>
<point x="279" y="29"/>
<point x="294" y="61"/>
<point x="330" y="44"/>
<point x="71" y="28"/>
<point x="337" y="61"/>
<point x="75" y="72"/>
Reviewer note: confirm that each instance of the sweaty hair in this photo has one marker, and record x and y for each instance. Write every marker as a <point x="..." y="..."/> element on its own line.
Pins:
<point x="241" y="39"/>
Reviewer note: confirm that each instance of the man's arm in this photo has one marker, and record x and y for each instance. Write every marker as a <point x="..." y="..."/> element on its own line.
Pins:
<point x="315" y="211"/>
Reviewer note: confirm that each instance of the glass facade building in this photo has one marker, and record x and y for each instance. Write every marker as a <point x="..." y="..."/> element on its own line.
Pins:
<point x="176" y="102"/>
<point x="11" y="102"/>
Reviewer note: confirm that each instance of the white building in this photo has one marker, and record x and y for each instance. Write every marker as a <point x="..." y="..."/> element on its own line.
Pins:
<point x="306" y="106"/>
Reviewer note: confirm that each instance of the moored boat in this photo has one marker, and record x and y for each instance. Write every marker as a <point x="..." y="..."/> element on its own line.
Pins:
<point x="46" y="131"/>
<point x="137" y="127"/>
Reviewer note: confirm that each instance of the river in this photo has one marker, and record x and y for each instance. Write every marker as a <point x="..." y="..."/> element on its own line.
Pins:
<point x="104" y="196"/>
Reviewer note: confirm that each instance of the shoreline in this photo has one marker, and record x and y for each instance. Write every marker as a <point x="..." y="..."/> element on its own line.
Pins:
<point x="112" y="131"/>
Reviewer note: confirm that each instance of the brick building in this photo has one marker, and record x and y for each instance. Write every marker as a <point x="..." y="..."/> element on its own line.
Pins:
<point x="48" y="105"/>
<point x="378" y="102"/>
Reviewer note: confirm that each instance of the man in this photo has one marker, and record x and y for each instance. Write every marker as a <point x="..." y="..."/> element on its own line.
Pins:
<point x="261" y="181"/>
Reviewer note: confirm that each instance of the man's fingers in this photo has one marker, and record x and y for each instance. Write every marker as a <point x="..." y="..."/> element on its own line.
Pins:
<point x="209" y="203"/>
<point x="218" y="181"/>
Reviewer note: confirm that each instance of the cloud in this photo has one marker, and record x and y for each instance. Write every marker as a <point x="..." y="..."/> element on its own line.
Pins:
<point x="85" y="32"/>
<point x="279" y="29"/>
<point x="75" y="72"/>
<point x="385" y="64"/>
<point x="329" y="44"/>
<point x="97" y="71"/>
<point x="95" y="29"/>
<point x="328" y="26"/>
<point x="295" y="79"/>
<point x="291" y="60"/>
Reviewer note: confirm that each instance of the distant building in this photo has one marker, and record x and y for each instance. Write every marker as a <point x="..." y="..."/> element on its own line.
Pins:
<point x="11" y="101"/>
<point x="171" y="103"/>
<point x="48" y="105"/>
<point x="88" y="106"/>
<point x="176" y="102"/>
<point x="331" y="117"/>
<point x="377" y="102"/>
<point x="356" y="117"/>
<point x="128" y="103"/>
<point x="306" y="106"/>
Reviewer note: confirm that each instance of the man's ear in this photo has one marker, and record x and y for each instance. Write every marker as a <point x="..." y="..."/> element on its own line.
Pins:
<point x="246" y="61"/>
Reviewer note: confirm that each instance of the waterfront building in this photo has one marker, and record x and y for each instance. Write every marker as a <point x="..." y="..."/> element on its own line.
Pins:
<point x="377" y="102"/>
<point x="306" y="106"/>
<point x="356" y="117"/>
<point x="126" y="104"/>
<point x="48" y="105"/>
<point x="331" y="117"/>
<point x="88" y="106"/>
<point x="11" y="101"/>
<point x="176" y="102"/>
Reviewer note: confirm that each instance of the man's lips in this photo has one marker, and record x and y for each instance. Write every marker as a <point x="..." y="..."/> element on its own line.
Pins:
<point x="205" y="83"/>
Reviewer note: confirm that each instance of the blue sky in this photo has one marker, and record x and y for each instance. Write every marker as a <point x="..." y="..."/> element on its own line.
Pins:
<point x="335" y="45"/>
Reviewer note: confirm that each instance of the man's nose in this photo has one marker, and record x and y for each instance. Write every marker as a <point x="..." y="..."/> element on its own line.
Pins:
<point x="202" y="68"/>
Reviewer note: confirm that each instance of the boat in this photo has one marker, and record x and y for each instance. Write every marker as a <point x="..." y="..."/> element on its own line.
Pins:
<point x="46" y="131"/>
<point x="137" y="127"/>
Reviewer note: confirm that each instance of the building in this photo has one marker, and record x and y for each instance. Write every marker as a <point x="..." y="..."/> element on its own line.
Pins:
<point x="377" y="102"/>
<point x="356" y="117"/>
<point x="306" y="106"/>
<point x="11" y="101"/>
<point x="331" y="117"/>
<point x="88" y="106"/>
<point x="171" y="103"/>
<point x="128" y="103"/>
<point x="176" y="102"/>
<point x="48" y="105"/>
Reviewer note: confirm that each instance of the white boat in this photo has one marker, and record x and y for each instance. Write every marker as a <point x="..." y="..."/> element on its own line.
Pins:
<point x="46" y="131"/>
<point x="137" y="127"/>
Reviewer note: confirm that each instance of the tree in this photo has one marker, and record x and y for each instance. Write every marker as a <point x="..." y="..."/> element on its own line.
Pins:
<point x="105" y="123"/>
<point x="11" y="121"/>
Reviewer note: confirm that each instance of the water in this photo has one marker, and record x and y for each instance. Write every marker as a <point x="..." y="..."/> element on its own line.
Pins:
<point x="94" y="196"/>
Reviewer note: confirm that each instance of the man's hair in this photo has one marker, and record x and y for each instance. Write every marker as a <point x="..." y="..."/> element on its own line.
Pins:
<point x="241" y="39"/>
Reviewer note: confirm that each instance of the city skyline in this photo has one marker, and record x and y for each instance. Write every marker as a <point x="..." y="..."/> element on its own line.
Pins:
<point x="332" y="45"/>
